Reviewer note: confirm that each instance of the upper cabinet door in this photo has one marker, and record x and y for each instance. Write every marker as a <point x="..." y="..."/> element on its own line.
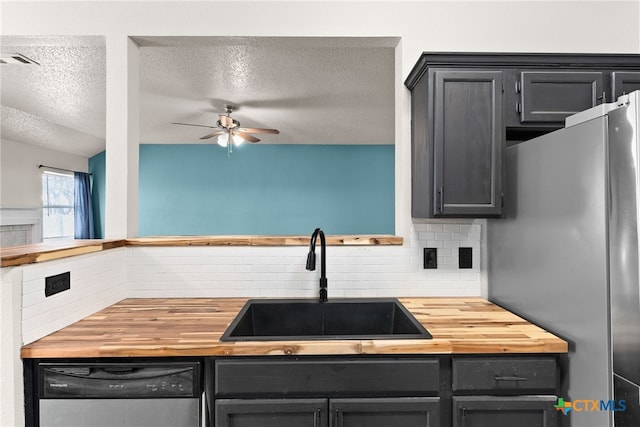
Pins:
<point x="551" y="96"/>
<point x="624" y="82"/>
<point x="468" y="143"/>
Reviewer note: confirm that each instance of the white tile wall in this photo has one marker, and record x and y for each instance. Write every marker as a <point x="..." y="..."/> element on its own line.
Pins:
<point x="352" y="271"/>
<point x="97" y="281"/>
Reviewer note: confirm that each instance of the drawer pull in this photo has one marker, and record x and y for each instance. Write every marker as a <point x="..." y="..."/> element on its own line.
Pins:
<point x="514" y="378"/>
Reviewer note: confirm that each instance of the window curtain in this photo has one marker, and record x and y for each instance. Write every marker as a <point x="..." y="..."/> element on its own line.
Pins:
<point x="83" y="215"/>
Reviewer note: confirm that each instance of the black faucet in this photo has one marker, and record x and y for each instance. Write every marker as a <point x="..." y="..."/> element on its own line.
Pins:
<point x="311" y="261"/>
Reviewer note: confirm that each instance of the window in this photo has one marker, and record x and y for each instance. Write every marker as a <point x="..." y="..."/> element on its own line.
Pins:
<point x="57" y="204"/>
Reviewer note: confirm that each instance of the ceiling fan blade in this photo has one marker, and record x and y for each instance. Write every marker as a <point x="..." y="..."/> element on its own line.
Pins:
<point x="212" y="134"/>
<point x="258" y="130"/>
<point x="226" y="121"/>
<point x="191" y="124"/>
<point x="246" y="136"/>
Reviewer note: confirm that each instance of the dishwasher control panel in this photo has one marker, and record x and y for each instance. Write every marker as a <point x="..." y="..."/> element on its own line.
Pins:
<point x="119" y="380"/>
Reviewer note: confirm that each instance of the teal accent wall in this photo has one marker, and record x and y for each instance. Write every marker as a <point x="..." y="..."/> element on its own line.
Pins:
<point x="97" y="168"/>
<point x="266" y="189"/>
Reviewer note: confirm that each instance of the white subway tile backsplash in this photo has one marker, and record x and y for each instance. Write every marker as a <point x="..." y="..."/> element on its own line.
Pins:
<point x="100" y="279"/>
<point x="435" y="227"/>
<point x="280" y="271"/>
<point x="97" y="280"/>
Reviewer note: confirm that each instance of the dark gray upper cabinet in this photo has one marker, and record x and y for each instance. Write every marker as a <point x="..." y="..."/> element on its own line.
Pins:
<point x="467" y="157"/>
<point x="467" y="107"/>
<point x="624" y="82"/>
<point x="551" y="96"/>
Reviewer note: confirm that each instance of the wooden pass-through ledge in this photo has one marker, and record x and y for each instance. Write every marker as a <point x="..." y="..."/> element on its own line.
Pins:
<point x="39" y="252"/>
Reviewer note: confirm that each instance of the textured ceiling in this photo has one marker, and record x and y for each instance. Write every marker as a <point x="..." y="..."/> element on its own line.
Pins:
<point x="60" y="103"/>
<point x="314" y="90"/>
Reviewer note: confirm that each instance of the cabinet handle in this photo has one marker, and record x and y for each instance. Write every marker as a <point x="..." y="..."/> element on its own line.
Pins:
<point x="441" y="199"/>
<point x="338" y="418"/>
<point x="514" y="378"/>
<point x="316" y="419"/>
<point x="602" y="98"/>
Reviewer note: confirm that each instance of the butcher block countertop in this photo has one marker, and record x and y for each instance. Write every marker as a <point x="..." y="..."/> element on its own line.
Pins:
<point x="192" y="327"/>
<point x="39" y="252"/>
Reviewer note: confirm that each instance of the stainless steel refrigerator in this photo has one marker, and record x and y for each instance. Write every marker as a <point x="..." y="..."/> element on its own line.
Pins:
<point x="566" y="254"/>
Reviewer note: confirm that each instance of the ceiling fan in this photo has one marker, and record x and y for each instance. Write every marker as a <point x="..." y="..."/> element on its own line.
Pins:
<point x="229" y="129"/>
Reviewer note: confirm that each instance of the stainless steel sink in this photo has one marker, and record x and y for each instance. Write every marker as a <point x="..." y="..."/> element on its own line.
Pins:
<point x="301" y="319"/>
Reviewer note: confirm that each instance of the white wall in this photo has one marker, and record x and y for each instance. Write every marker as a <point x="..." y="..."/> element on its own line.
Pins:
<point x="21" y="188"/>
<point x="20" y="178"/>
<point x="11" y="389"/>
<point x="97" y="281"/>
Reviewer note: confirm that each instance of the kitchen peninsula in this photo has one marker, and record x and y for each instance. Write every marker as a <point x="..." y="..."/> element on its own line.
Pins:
<point x="482" y="361"/>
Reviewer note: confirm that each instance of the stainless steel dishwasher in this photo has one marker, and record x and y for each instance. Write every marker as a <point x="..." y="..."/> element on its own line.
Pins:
<point x="120" y="394"/>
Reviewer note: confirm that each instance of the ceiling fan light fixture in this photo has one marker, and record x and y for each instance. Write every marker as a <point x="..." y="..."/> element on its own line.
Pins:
<point x="237" y="139"/>
<point x="223" y="139"/>
<point x="229" y="132"/>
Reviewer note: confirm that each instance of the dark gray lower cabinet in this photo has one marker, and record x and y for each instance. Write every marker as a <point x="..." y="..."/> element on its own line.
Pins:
<point x="493" y="411"/>
<point x="408" y="391"/>
<point x="385" y="412"/>
<point x="271" y="413"/>
<point x="369" y="412"/>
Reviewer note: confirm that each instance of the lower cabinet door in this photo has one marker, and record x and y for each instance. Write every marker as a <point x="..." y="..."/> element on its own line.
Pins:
<point x="493" y="411"/>
<point x="385" y="412"/>
<point x="271" y="413"/>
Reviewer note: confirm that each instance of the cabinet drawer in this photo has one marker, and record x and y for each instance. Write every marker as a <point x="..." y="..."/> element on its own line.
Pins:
<point x="494" y="374"/>
<point x="326" y="378"/>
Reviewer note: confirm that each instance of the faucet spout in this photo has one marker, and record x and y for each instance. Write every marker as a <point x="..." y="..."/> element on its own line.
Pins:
<point x="311" y="261"/>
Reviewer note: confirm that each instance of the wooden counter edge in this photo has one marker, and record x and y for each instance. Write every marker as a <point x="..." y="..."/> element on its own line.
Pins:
<point x="525" y="341"/>
<point x="29" y="254"/>
<point x="302" y="348"/>
<point x="266" y="240"/>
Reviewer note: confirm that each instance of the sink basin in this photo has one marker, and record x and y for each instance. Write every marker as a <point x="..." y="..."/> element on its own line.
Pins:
<point x="303" y="319"/>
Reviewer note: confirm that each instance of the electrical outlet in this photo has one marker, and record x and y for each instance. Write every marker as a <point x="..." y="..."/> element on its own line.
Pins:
<point x="58" y="283"/>
<point x="465" y="258"/>
<point x="430" y="258"/>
